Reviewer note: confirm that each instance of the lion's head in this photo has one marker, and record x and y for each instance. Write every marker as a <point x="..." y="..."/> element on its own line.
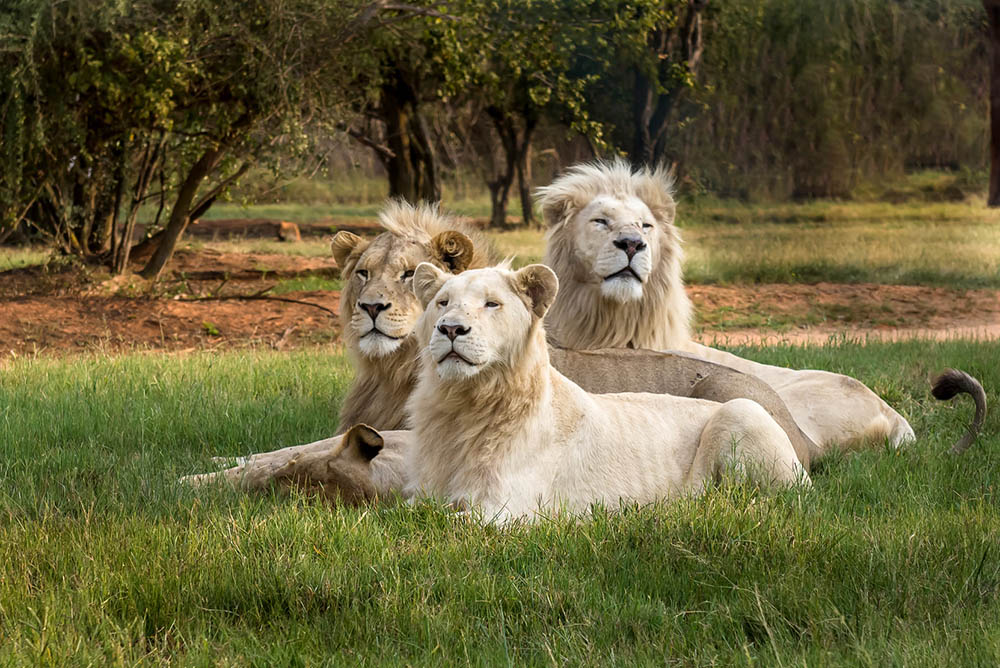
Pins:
<point x="480" y="320"/>
<point x="613" y="244"/>
<point x="378" y="309"/>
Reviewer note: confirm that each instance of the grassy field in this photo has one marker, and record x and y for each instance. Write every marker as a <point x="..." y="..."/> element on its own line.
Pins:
<point x="956" y="245"/>
<point x="891" y="559"/>
<point x="941" y="244"/>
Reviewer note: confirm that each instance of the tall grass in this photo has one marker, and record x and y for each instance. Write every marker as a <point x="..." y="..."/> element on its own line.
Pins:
<point x="890" y="559"/>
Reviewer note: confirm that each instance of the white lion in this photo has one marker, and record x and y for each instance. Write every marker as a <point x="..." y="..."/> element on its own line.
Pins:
<point x="496" y="427"/>
<point x="617" y="253"/>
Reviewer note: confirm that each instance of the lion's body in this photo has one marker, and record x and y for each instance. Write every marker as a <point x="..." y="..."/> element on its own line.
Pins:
<point x="495" y="426"/>
<point x="384" y="379"/>
<point x="833" y="410"/>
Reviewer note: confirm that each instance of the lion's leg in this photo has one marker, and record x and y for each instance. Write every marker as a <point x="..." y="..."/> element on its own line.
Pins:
<point x="258" y="470"/>
<point x="742" y="440"/>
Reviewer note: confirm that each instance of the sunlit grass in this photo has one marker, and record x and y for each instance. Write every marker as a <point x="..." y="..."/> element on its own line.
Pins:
<point x="959" y="253"/>
<point x="954" y="245"/>
<point x="306" y="284"/>
<point x="13" y="257"/>
<point x="105" y="559"/>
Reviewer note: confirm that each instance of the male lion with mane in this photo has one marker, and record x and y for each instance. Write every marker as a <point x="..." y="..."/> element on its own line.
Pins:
<point x="498" y="428"/>
<point x="612" y="243"/>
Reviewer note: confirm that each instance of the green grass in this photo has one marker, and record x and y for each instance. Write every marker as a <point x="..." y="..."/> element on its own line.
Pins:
<point x="306" y="284"/>
<point x="891" y="559"/>
<point x="947" y="244"/>
<point x="951" y="245"/>
<point x="12" y="257"/>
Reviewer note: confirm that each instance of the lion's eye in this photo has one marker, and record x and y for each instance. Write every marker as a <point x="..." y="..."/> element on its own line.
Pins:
<point x="492" y="304"/>
<point x="647" y="226"/>
<point x="601" y="221"/>
<point x="362" y="274"/>
<point x="443" y="303"/>
<point x="408" y="274"/>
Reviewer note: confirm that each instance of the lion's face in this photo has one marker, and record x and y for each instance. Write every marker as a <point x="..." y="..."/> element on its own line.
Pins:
<point x="481" y="318"/>
<point x="383" y="310"/>
<point x="378" y="307"/>
<point x="615" y="240"/>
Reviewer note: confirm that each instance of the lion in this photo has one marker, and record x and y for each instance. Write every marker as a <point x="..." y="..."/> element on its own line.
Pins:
<point x="497" y="428"/>
<point x="378" y="310"/>
<point x="612" y="242"/>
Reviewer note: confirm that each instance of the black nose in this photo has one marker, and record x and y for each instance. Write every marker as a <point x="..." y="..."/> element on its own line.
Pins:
<point x="452" y="331"/>
<point x="631" y="245"/>
<point x="374" y="309"/>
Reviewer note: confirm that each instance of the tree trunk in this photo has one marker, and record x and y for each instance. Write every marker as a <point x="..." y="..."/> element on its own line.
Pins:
<point x="425" y="158"/>
<point x="507" y="131"/>
<point x="993" y="14"/>
<point x="524" y="173"/>
<point x="181" y="212"/>
<point x="395" y="112"/>
<point x="412" y="161"/>
<point x="642" y="111"/>
<point x="651" y="112"/>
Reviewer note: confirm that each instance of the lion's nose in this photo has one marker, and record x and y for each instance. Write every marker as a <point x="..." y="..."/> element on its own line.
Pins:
<point x="453" y="331"/>
<point x="631" y="245"/>
<point x="374" y="309"/>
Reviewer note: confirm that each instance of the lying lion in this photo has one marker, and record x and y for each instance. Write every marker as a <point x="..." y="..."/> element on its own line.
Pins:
<point x="498" y="428"/>
<point x="613" y="245"/>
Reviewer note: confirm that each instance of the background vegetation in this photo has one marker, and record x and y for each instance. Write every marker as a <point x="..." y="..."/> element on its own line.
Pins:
<point x="159" y="108"/>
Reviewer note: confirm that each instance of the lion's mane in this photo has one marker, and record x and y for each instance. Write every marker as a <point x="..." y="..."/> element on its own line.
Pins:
<point x="581" y="318"/>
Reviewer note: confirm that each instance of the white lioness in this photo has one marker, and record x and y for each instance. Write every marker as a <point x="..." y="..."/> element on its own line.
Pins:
<point x="498" y="428"/>
<point x="617" y="253"/>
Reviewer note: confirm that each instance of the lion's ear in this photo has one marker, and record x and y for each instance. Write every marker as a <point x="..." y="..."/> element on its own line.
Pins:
<point x="363" y="441"/>
<point x="453" y="250"/>
<point x="427" y="280"/>
<point x="540" y="285"/>
<point x="345" y="243"/>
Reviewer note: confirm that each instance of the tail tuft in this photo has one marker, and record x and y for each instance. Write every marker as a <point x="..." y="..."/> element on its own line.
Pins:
<point x="947" y="386"/>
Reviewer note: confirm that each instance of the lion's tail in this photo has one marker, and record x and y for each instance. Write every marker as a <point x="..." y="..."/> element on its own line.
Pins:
<point x="949" y="384"/>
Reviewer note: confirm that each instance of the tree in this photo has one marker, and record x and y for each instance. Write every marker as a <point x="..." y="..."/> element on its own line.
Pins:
<point x="109" y="107"/>
<point x="993" y="16"/>
<point x="648" y="59"/>
<point x="530" y="71"/>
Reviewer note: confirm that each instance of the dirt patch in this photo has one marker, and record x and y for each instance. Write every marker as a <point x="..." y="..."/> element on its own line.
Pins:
<point x="69" y="308"/>
<point x="816" y="313"/>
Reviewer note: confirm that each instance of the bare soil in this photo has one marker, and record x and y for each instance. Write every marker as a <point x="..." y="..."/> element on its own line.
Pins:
<point x="215" y="300"/>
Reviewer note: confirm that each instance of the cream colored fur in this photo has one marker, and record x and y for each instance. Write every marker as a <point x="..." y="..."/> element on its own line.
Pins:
<point x="587" y="210"/>
<point x="832" y="409"/>
<point x="496" y="427"/>
<point x="359" y="466"/>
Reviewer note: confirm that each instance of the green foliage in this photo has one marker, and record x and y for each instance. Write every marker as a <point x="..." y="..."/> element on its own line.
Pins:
<point x="810" y="98"/>
<point x="105" y="559"/>
<point x="98" y="101"/>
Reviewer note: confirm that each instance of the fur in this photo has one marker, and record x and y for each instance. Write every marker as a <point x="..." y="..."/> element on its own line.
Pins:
<point x="833" y="410"/>
<point x="354" y="468"/>
<point x="386" y="368"/>
<point x="584" y="316"/>
<point x="512" y="437"/>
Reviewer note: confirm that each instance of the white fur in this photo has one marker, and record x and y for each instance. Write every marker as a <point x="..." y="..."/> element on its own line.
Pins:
<point x="512" y="437"/>
<point x="832" y="409"/>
